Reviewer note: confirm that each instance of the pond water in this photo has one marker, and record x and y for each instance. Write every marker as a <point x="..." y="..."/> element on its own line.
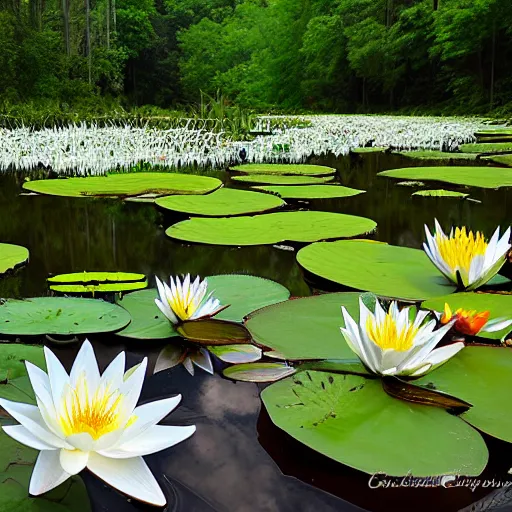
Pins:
<point x="238" y="460"/>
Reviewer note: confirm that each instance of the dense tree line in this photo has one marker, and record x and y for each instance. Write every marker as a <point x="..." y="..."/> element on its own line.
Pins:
<point x="331" y="55"/>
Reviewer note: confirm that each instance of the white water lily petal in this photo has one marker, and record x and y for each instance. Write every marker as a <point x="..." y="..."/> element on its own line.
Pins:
<point x="85" y="367"/>
<point x="496" y="324"/>
<point x="152" y="440"/>
<point x="57" y="375"/>
<point x="47" y="473"/>
<point x="24" y="436"/>
<point x="30" y="417"/>
<point x="187" y="363"/>
<point x="131" y="389"/>
<point x="73" y="461"/>
<point x="130" y="476"/>
<point x="203" y="360"/>
<point x="83" y="441"/>
<point x="113" y="374"/>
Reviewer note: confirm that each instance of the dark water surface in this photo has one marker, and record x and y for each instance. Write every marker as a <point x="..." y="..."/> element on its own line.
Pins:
<point x="237" y="461"/>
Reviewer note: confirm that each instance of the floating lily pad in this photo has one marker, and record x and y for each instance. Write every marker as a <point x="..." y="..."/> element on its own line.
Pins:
<point x="97" y="282"/>
<point x="214" y="332"/>
<point x="259" y="372"/>
<point x="494" y="131"/>
<point x="499" y="306"/>
<point x="411" y="184"/>
<point x="306" y="328"/>
<point x="497" y="147"/>
<point x="237" y="354"/>
<point x="61" y="316"/>
<point x="483" y="177"/>
<point x="270" y="179"/>
<point x="244" y="293"/>
<point x="440" y="193"/>
<point x="271" y="228"/>
<point x="375" y="149"/>
<point x="501" y="159"/>
<point x="436" y="155"/>
<point x="483" y="377"/>
<point x="353" y="421"/>
<point x="285" y="169"/>
<point x="125" y="185"/>
<point x="222" y="202"/>
<point x="12" y="256"/>
<point x="312" y="191"/>
<point x="386" y="270"/>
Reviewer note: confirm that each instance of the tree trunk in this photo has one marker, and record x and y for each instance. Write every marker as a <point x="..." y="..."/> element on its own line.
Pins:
<point x="389" y="13"/>
<point x="88" y="37"/>
<point x="108" y="24"/>
<point x="493" y="63"/>
<point x="65" y="12"/>
<point x="114" y="14"/>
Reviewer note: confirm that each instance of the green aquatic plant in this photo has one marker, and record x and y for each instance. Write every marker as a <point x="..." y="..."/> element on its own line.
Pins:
<point x="285" y="169"/>
<point x="311" y="191"/>
<point x="97" y="282"/>
<point x="12" y="256"/>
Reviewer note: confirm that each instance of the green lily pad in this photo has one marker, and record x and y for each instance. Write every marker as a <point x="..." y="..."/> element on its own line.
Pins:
<point x="353" y="421"/>
<point x="312" y="191"/>
<point x="386" y="270"/>
<point x="411" y="183"/>
<point x="440" y="193"/>
<point x="481" y="376"/>
<point x="500" y="159"/>
<point x="494" y="131"/>
<point x="97" y="282"/>
<point x="13" y="357"/>
<point x="294" y="328"/>
<point x="61" y="316"/>
<point x="244" y="293"/>
<point x="125" y="185"/>
<point x="259" y="372"/>
<point x="373" y="149"/>
<point x="270" y="179"/>
<point x="271" y="228"/>
<point x="236" y="354"/>
<point x="285" y="169"/>
<point x="148" y="322"/>
<point x="12" y="256"/>
<point x="436" y="155"/>
<point x="496" y="147"/>
<point x="222" y="202"/>
<point x="483" y="177"/>
<point x="499" y="306"/>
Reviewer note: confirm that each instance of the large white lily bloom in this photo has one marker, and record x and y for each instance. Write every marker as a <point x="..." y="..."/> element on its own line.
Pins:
<point x="88" y="420"/>
<point x="187" y="300"/>
<point x="468" y="254"/>
<point x="394" y="344"/>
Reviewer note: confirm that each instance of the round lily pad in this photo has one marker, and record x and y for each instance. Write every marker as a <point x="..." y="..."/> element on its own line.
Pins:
<point x="440" y="193"/>
<point x="271" y="228"/>
<point x="285" y="169"/>
<point x="354" y="421"/>
<point x="483" y="177"/>
<point x="312" y="191"/>
<point x="500" y="159"/>
<point x="481" y="376"/>
<point x="372" y="149"/>
<point x="97" y="282"/>
<point x="386" y="270"/>
<point x="437" y="155"/>
<point x="496" y="147"/>
<point x="244" y="293"/>
<point x="270" y="179"/>
<point x="498" y="305"/>
<point x="61" y="316"/>
<point x="125" y="185"/>
<point x="12" y="256"/>
<point x="222" y="202"/>
<point x="295" y="328"/>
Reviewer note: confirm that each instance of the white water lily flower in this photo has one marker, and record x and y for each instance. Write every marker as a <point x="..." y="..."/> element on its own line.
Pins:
<point x="467" y="254"/>
<point x="88" y="420"/>
<point x="187" y="300"/>
<point x="394" y="344"/>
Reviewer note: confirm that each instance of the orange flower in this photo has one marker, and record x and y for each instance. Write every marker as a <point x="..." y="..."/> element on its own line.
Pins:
<point x="467" y="322"/>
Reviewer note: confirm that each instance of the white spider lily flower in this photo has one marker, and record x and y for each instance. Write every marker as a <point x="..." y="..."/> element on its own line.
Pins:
<point x="394" y="344"/>
<point x="88" y="420"/>
<point x="187" y="300"/>
<point x="467" y="254"/>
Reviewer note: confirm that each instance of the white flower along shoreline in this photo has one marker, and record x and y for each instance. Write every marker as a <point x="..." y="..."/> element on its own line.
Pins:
<point x="81" y="150"/>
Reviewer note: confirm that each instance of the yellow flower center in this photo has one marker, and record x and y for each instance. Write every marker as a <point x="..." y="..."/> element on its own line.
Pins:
<point x="95" y="415"/>
<point x="459" y="250"/>
<point x="182" y="306"/>
<point x="387" y="336"/>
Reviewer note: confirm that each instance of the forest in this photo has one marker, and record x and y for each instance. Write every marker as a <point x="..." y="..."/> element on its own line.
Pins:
<point x="340" y="56"/>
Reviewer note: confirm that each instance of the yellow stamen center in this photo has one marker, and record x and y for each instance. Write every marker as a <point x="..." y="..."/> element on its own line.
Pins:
<point x="387" y="336"/>
<point x="183" y="306"/>
<point x="96" y="415"/>
<point x="459" y="250"/>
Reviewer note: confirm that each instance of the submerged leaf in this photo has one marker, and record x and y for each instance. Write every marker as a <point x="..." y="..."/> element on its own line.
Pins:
<point x="237" y="354"/>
